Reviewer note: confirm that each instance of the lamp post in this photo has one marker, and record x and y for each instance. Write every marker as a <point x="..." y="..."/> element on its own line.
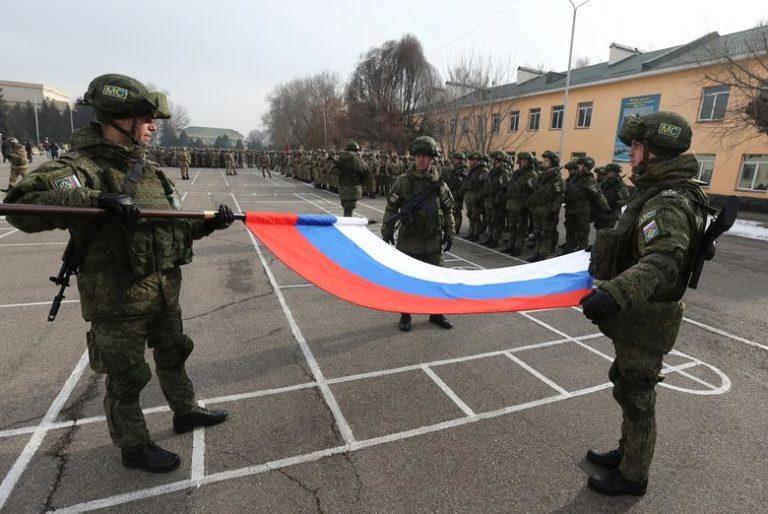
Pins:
<point x="568" y="75"/>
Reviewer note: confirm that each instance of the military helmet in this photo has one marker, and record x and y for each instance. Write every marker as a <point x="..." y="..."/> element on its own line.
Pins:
<point x="667" y="134"/>
<point x="115" y="96"/>
<point x="475" y="156"/>
<point x="459" y="155"/>
<point x="612" y="166"/>
<point x="423" y="145"/>
<point x="12" y="141"/>
<point x="352" y="146"/>
<point x="552" y="156"/>
<point x="485" y="158"/>
<point x="587" y="161"/>
<point x="498" y="155"/>
<point x="572" y="165"/>
<point x="524" y="155"/>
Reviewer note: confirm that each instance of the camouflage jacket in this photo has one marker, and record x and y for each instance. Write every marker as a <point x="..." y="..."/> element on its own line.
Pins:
<point x="583" y="195"/>
<point x="616" y="193"/>
<point x="547" y="194"/>
<point x="647" y="255"/>
<point x="472" y="187"/>
<point x="519" y="188"/>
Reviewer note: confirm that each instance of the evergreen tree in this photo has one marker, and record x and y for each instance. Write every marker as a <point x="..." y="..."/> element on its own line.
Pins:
<point x="219" y="143"/>
<point x="168" y="135"/>
<point x="4" y="114"/>
<point x="184" y="139"/>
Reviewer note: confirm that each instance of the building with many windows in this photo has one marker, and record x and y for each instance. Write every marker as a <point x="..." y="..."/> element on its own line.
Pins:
<point x="208" y="135"/>
<point x="22" y="92"/>
<point x="531" y="114"/>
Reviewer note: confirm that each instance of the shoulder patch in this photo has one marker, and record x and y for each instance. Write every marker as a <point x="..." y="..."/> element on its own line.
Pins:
<point x="650" y="231"/>
<point x="646" y="216"/>
<point x="670" y="192"/>
<point x="68" y="182"/>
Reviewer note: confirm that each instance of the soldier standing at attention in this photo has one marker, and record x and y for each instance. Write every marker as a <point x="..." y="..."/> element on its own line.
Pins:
<point x="615" y="191"/>
<point x="584" y="201"/>
<point x="264" y="165"/>
<point x="645" y="262"/>
<point x="495" y="201"/>
<point x="229" y="162"/>
<point x="471" y="191"/>
<point x="545" y="202"/>
<point x="458" y="176"/>
<point x="184" y="159"/>
<point x="352" y="174"/>
<point x="519" y="188"/>
<point x="19" y="163"/>
<point x="130" y="280"/>
<point x="427" y="230"/>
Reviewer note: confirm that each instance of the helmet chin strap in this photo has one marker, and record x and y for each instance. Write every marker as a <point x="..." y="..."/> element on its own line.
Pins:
<point x="129" y="134"/>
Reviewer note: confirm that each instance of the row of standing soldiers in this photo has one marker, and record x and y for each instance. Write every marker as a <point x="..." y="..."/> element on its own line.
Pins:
<point x="508" y="208"/>
<point x="229" y="159"/>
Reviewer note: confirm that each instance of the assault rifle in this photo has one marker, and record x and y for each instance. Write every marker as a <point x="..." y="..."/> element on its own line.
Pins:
<point x="414" y="201"/>
<point x="70" y="265"/>
<point x="722" y="222"/>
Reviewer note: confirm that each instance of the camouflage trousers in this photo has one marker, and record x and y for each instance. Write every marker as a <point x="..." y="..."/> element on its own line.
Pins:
<point x="458" y="207"/>
<point x="348" y="206"/>
<point x="17" y="173"/>
<point x="184" y="169"/>
<point x="266" y="171"/>
<point x="116" y="348"/>
<point x="476" y="217"/>
<point x="641" y="335"/>
<point x="545" y="230"/>
<point x="517" y="228"/>
<point x="576" y="231"/>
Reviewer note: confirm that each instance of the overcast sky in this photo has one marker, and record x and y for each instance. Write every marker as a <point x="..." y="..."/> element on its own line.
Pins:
<point x="221" y="58"/>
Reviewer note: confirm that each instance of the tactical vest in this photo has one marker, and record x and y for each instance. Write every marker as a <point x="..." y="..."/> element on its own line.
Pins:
<point x="615" y="249"/>
<point x="426" y="220"/>
<point x="577" y="199"/>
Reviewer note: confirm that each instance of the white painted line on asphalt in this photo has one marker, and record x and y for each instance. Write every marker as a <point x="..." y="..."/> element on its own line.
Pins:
<point x="297" y="286"/>
<point x="10" y="232"/>
<point x="194" y="179"/>
<point x="226" y="182"/>
<point x="32" y="244"/>
<point x="538" y="375"/>
<point x="330" y="399"/>
<point x="198" y="454"/>
<point x="725" y="334"/>
<point x="33" y="304"/>
<point x="271" y="201"/>
<point x="10" y="480"/>
<point x="448" y="391"/>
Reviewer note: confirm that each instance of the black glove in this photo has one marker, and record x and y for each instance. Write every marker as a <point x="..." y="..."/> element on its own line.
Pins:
<point x="599" y="306"/>
<point x="120" y="205"/>
<point x="223" y="219"/>
<point x="388" y="236"/>
<point x="447" y="242"/>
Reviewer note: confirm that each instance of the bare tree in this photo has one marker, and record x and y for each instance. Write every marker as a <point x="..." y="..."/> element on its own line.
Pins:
<point x="581" y="62"/>
<point x="738" y="65"/>
<point x="474" y="111"/>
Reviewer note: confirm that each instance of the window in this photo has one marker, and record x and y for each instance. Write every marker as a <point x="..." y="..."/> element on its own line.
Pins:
<point x="533" y="119"/>
<point x="714" y="101"/>
<point x="754" y="173"/>
<point x="556" y="122"/>
<point x="576" y="155"/>
<point x="465" y="125"/>
<point x="706" y="167"/>
<point x="584" y="115"/>
<point x="453" y="126"/>
<point x="496" y="123"/>
<point x="514" y="121"/>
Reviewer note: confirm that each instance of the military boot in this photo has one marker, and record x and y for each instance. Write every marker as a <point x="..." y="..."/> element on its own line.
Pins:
<point x="613" y="483"/>
<point x="151" y="458"/>
<point x="441" y="321"/>
<point x="608" y="460"/>
<point x="198" y="417"/>
<point x="405" y="322"/>
<point x="347" y="213"/>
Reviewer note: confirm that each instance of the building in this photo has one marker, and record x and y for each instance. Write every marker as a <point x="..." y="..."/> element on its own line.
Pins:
<point x="21" y="92"/>
<point x="208" y="135"/>
<point x="529" y="114"/>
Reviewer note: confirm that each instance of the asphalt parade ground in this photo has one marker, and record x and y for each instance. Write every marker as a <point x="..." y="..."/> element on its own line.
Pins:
<point x="333" y="409"/>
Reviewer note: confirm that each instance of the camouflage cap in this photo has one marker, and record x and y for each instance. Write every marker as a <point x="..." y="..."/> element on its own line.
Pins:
<point x="587" y="161"/>
<point x="115" y="96"/>
<point x="524" y="155"/>
<point x="459" y="155"/>
<point x="498" y="155"/>
<point x="571" y="165"/>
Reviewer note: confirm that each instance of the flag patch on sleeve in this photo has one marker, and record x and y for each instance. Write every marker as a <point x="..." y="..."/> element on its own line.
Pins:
<point x="650" y="231"/>
<point x="68" y="182"/>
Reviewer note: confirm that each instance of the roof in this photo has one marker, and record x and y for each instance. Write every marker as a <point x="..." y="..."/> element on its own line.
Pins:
<point x="213" y="132"/>
<point x="689" y="54"/>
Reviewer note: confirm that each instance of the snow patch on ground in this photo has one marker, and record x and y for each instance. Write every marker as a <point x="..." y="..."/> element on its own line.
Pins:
<point x="749" y="229"/>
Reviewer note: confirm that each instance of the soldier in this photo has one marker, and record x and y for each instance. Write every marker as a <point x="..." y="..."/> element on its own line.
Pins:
<point x="519" y="188"/>
<point x="471" y="191"/>
<point x="130" y="297"/>
<point x="427" y="230"/>
<point x="545" y="202"/>
<point x="645" y="262"/>
<point x="459" y="174"/>
<point x="494" y="200"/>
<point x="352" y="174"/>
<point x="184" y="159"/>
<point x="615" y="191"/>
<point x="19" y="163"/>
<point x="584" y="200"/>
<point x="264" y="165"/>
<point x="229" y="162"/>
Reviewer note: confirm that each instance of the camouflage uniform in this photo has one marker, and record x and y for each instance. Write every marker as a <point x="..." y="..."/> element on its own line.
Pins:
<point x="471" y="190"/>
<point x="352" y="174"/>
<point x="494" y="202"/>
<point x="584" y="200"/>
<point x="19" y="163"/>
<point x="184" y="159"/>
<point x="459" y="174"/>
<point x="615" y="192"/>
<point x="545" y="202"/>
<point x="519" y="189"/>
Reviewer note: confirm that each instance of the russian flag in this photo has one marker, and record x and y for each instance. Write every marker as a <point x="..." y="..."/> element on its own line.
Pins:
<point x="341" y="256"/>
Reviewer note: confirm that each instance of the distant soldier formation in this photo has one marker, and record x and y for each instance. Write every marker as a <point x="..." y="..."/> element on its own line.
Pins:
<point x="230" y="159"/>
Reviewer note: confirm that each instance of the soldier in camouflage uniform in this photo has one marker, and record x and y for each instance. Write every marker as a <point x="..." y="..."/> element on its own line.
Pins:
<point x="645" y="263"/>
<point x="519" y="188"/>
<point x="183" y="159"/>
<point x="459" y="174"/>
<point x="352" y="174"/>
<point x="427" y="230"/>
<point x="584" y="200"/>
<point x="615" y="191"/>
<point x="494" y="202"/>
<point x="130" y="280"/>
<point x="545" y="202"/>
<point x="471" y="190"/>
<point x="19" y="163"/>
<point x="229" y="162"/>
